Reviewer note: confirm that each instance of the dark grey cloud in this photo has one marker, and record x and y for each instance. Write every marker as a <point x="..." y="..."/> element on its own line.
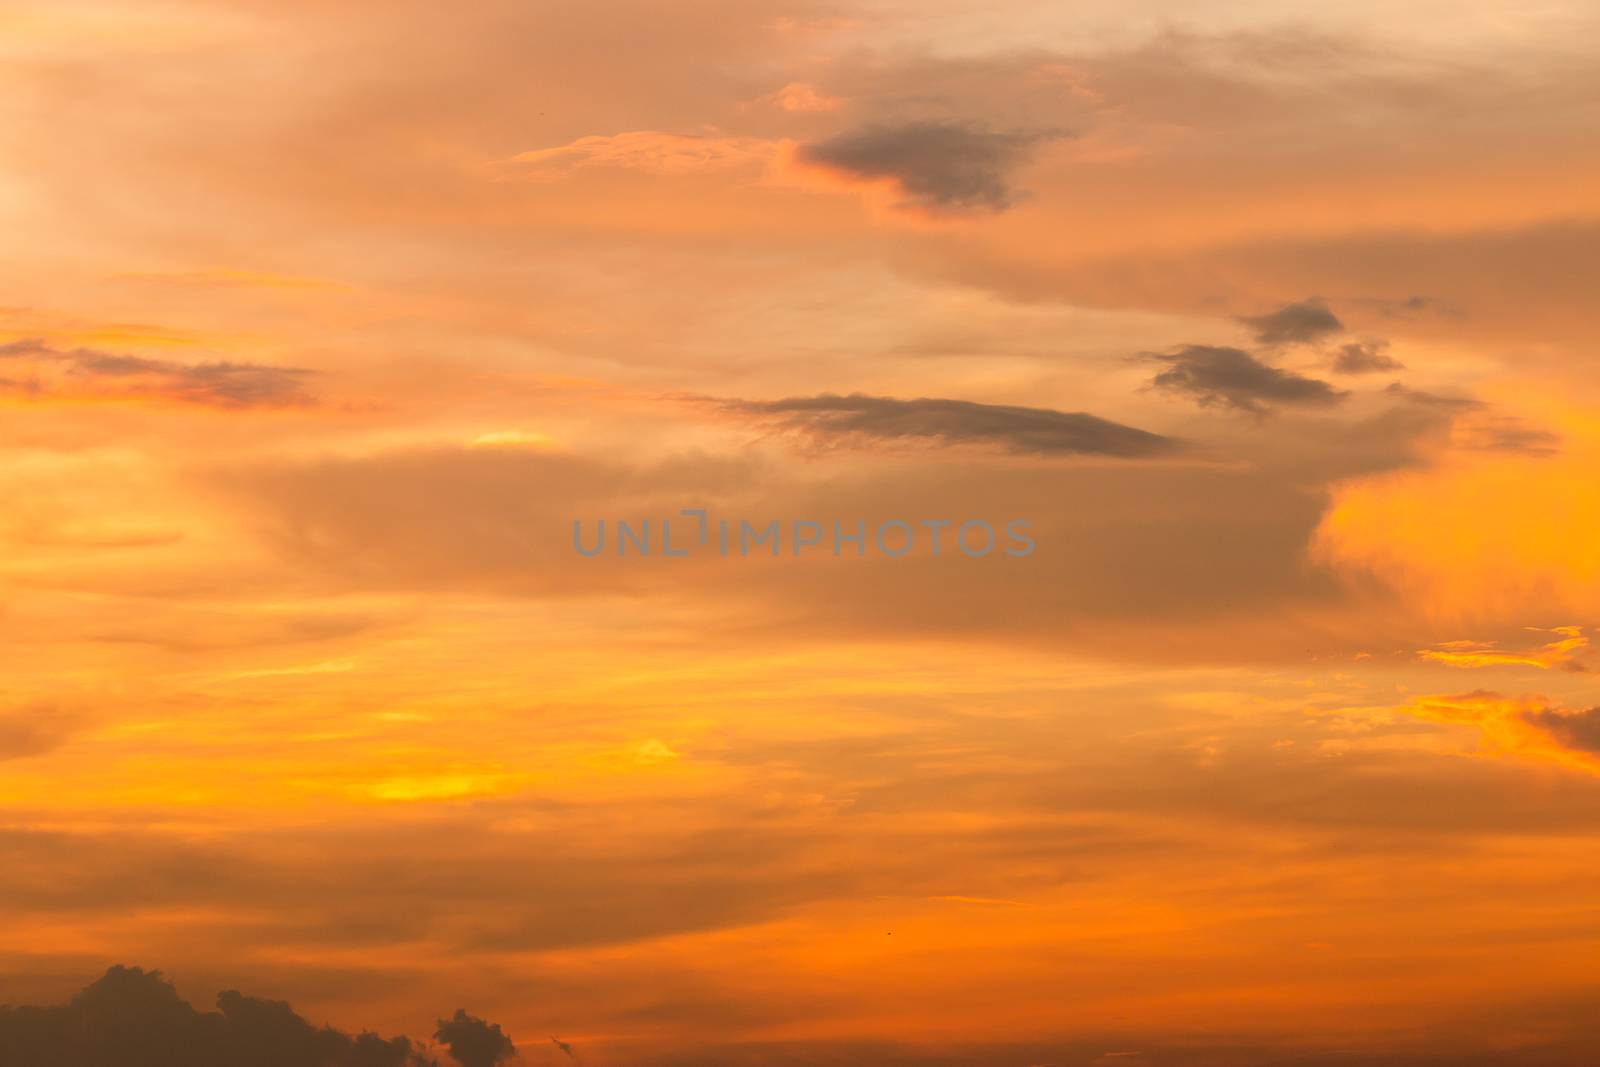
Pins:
<point x="941" y="167"/>
<point x="1231" y="377"/>
<point x="1365" y="357"/>
<point x="132" y="1018"/>
<point x="1308" y="320"/>
<point x="222" y="384"/>
<point x="473" y="1042"/>
<point x="1034" y="431"/>
<point x="1574" y="729"/>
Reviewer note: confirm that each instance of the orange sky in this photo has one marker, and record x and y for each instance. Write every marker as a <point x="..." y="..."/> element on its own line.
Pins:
<point x="321" y="323"/>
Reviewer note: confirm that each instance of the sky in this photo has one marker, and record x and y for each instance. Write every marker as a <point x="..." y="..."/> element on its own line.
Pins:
<point x="322" y="323"/>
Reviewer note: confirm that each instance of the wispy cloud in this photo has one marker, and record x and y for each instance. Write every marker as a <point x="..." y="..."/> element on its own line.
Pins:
<point x="856" y="419"/>
<point x="646" y="150"/>
<point x="1559" y="653"/>
<point x="88" y="371"/>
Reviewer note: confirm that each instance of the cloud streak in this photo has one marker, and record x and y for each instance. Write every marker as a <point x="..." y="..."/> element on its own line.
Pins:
<point x="1563" y="652"/>
<point x="652" y="151"/>
<point x="857" y="418"/>
<point x="89" y="371"/>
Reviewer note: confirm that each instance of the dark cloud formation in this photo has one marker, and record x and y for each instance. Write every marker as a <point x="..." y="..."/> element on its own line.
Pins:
<point x="224" y="384"/>
<point x="941" y="167"/>
<point x="473" y="1042"/>
<point x="1365" y="357"/>
<point x="135" y="1018"/>
<point x="1574" y="729"/>
<point x="1309" y="320"/>
<point x="1215" y="376"/>
<point x="830" y="418"/>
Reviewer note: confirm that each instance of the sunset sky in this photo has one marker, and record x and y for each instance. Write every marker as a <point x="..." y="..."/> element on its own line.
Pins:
<point x="321" y="321"/>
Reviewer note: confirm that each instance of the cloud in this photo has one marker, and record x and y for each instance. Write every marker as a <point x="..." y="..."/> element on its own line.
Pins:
<point x="501" y="520"/>
<point x="1365" y="357"/>
<point x="32" y="730"/>
<point x="1434" y="400"/>
<point x="649" y="150"/>
<point x="88" y="371"/>
<point x="1529" y="727"/>
<point x="1504" y="433"/>
<point x="131" y="1017"/>
<point x="1231" y="377"/>
<point x="801" y="97"/>
<point x="1033" y="431"/>
<point x="939" y="167"/>
<point x="1469" y="654"/>
<point x="473" y="1042"/>
<point x="1574" y="729"/>
<point x="1474" y="427"/>
<point x="1445" y="536"/>
<point x="1309" y="320"/>
<point x="25" y="347"/>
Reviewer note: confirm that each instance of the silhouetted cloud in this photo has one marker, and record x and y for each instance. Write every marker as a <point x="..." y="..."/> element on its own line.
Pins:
<point x="473" y="1042"/>
<point x="1036" y="431"/>
<point x="223" y="384"/>
<point x="1365" y="357"/>
<point x="1308" y="320"/>
<point x="1232" y="377"/>
<point x="135" y="1018"/>
<point x="939" y="166"/>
